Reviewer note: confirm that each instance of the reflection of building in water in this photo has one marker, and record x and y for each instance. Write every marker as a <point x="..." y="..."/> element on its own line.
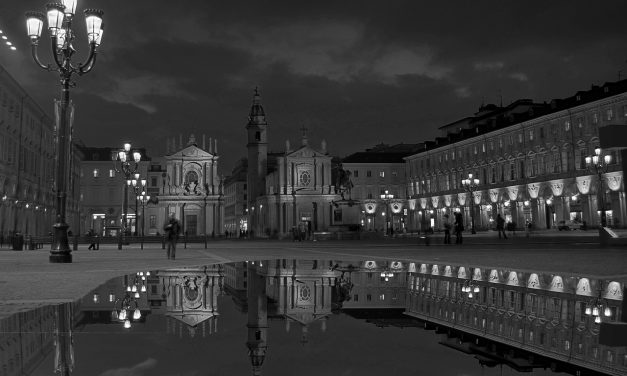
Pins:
<point x="534" y="313"/>
<point x="191" y="298"/>
<point x="28" y="337"/>
<point x="236" y="283"/>
<point x="374" y="284"/>
<point x="300" y="291"/>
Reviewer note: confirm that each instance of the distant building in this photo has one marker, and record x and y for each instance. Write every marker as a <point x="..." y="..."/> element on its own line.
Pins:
<point x="235" y="200"/>
<point x="27" y="163"/>
<point x="530" y="161"/>
<point x="371" y="174"/>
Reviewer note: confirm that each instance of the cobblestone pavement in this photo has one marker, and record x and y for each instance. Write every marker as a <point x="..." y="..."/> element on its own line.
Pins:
<point x="28" y="280"/>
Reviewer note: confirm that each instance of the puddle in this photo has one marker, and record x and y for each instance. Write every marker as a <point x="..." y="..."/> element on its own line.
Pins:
<point x="320" y="317"/>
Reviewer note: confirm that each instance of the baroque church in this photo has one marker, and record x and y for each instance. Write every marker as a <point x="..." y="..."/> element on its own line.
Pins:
<point x="290" y="191"/>
<point x="191" y="188"/>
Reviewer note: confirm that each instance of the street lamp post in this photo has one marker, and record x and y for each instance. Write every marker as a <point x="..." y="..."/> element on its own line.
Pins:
<point x="135" y="183"/>
<point x="123" y="163"/>
<point x="470" y="185"/>
<point x="143" y="200"/>
<point x="60" y="17"/>
<point x="598" y="164"/>
<point x="386" y="197"/>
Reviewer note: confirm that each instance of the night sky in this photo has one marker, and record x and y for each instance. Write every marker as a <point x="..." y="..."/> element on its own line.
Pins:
<point x="355" y="73"/>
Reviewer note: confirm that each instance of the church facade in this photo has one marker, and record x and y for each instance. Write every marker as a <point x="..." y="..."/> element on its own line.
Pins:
<point x="288" y="192"/>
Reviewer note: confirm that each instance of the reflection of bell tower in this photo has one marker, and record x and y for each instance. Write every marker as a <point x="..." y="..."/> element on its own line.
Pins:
<point x="257" y="319"/>
<point x="257" y="151"/>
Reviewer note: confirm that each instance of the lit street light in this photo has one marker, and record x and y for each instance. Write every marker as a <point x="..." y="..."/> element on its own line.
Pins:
<point x="386" y="197"/>
<point x="60" y="17"/>
<point x="143" y="200"/>
<point x="123" y="163"/>
<point x="470" y="185"/>
<point x="598" y="164"/>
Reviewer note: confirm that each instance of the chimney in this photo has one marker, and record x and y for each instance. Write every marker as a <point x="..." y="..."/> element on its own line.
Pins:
<point x="180" y="141"/>
<point x="210" y="144"/>
<point x="216" y="147"/>
<point x="203" y="142"/>
<point x="288" y="147"/>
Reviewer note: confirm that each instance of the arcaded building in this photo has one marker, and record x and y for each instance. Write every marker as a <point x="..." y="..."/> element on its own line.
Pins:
<point x="529" y="159"/>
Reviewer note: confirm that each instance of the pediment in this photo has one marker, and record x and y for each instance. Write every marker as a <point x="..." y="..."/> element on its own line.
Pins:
<point x="191" y="151"/>
<point x="305" y="152"/>
<point x="191" y="318"/>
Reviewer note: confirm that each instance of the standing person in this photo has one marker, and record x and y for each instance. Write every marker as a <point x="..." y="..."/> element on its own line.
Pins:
<point x="459" y="227"/>
<point x="500" y="226"/>
<point x="447" y="230"/>
<point x="172" y="229"/>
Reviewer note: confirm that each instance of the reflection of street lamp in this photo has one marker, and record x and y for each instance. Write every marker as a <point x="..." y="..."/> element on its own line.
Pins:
<point x="386" y="197"/>
<point x="470" y="289"/>
<point x="127" y="166"/>
<point x="143" y="200"/>
<point x="598" y="164"/>
<point x="598" y="306"/>
<point x="470" y="185"/>
<point x="60" y="17"/>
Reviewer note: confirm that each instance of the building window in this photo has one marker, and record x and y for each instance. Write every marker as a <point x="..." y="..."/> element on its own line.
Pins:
<point x="369" y="174"/>
<point x="382" y="297"/>
<point x="111" y="173"/>
<point x="595" y="118"/>
<point x="531" y="135"/>
<point x="153" y="181"/>
<point x="356" y="173"/>
<point x="153" y="221"/>
<point x="356" y="298"/>
<point x="96" y="173"/>
<point x="368" y="297"/>
<point x="257" y="136"/>
<point x="394" y="173"/>
<point x="567" y="125"/>
<point x="381" y="174"/>
<point x="609" y="113"/>
<point x="520" y="138"/>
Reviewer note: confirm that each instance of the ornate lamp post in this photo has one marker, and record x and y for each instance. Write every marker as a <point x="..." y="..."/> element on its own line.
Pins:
<point x="137" y="189"/>
<point x="60" y="17"/>
<point x="386" y="197"/>
<point x="470" y="185"/>
<point x="598" y="164"/>
<point x="143" y="200"/>
<point x="123" y="163"/>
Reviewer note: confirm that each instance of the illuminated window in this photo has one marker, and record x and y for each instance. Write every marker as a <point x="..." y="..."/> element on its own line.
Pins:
<point x="96" y="173"/>
<point x="111" y="173"/>
<point x="567" y="125"/>
<point x="609" y="114"/>
<point x="381" y="174"/>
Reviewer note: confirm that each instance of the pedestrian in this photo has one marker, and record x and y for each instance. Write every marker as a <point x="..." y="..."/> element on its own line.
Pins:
<point x="172" y="229"/>
<point x="92" y="239"/>
<point x="500" y="226"/>
<point x="528" y="228"/>
<point x="447" y="230"/>
<point x="459" y="227"/>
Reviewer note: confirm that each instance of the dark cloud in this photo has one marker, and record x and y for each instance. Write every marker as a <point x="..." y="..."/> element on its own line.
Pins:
<point x="354" y="73"/>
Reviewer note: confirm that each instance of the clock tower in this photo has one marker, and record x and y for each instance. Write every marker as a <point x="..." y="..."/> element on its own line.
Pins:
<point x="257" y="155"/>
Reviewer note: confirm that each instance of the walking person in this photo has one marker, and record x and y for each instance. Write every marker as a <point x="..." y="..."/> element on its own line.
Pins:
<point x="172" y="230"/>
<point x="500" y="226"/>
<point x="459" y="227"/>
<point x="92" y="239"/>
<point x="447" y="230"/>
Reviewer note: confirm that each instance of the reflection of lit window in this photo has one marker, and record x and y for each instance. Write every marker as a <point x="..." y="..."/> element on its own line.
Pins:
<point x="111" y="173"/>
<point x="382" y="174"/>
<point x="96" y="173"/>
<point x="382" y="297"/>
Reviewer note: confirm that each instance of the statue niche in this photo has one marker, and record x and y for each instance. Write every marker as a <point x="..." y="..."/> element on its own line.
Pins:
<point x="191" y="186"/>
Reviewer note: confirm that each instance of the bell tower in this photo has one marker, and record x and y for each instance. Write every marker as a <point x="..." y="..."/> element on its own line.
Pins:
<point x="257" y="153"/>
<point x="257" y="319"/>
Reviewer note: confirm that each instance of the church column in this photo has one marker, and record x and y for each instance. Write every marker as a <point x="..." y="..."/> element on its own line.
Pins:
<point x="540" y="222"/>
<point x="211" y="177"/>
<point x="214" y="176"/>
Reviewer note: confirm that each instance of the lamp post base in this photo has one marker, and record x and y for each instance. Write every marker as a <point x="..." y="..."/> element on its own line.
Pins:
<point x="60" y="257"/>
<point x="60" y="252"/>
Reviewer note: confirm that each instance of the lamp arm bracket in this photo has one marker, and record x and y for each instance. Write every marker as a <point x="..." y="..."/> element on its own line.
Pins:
<point x="36" y="57"/>
<point x="87" y="66"/>
<point x="55" y="54"/>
